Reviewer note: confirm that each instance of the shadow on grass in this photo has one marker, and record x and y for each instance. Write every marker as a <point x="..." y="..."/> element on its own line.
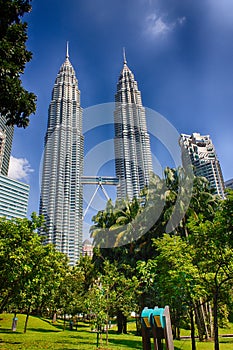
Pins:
<point x="83" y="325"/>
<point x="226" y="341"/>
<point x="9" y="331"/>
<point x="10" y="342"/>
<point x="134" y="344"/>
<point x="42" y="330"/>
<point x="60" y="326"/>
<point x="57" y="326"/>
<point x="75" y="341"/>
<point x="66" y="348"/>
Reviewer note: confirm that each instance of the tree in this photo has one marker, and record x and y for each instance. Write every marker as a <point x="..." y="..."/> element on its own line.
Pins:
<point x="177" y="279"/>
<point x="86" y="268"/>
<point x="48" y="270"/>
<point x="130" y="226"/>
<point x="18" y="245"/>
<point x="112" y="294"/>
<point x="16" y="103"/>
<point x="70" y="296"/>
<point x="30" y="273"/>
<point x="166" y="205"/>
<point x="212" y="241"/>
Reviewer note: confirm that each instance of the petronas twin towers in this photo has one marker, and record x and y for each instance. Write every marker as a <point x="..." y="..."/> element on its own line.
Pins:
<point x="61" y="200"/>
<point x="132" y="143"/>
<point x="61" y="188"/>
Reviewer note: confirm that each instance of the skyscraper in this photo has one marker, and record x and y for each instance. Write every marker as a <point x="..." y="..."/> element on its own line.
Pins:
<point x="13" y="198"/>
<point x="13" y="194"/>
<point x="204" y="159"/>
<point x="61" y="200"/>
<point x="229" y="184"/>
<point x="6" y="139"/>
<point x="133" y="159"/>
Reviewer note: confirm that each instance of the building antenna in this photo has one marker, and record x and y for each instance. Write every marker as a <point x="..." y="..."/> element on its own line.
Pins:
<point x="124" y="56"/>
<point x="67" y="49"/>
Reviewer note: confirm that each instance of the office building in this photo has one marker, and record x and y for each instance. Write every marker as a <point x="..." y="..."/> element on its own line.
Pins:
<point x="6" y="139"/>
<point x="229" y="184"/>
<point x="13" y="198"/>
<point x="61" y="200"/>
<point x="133" y="160"/>
<point x="204" y="159"/>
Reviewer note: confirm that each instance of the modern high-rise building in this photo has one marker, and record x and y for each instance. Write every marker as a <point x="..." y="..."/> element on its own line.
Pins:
<point x="133" y="160"/>
<point x="6" y="139"/>
<point x="204" y="159"/>
<point x="13" y="198"/>
<point x="61" y="200"/>
<point x="13" y="194"/>
<point x="229" y="184"/>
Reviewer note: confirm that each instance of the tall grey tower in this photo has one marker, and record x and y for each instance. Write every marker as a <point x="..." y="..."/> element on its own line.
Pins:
<point x="133" y="159"/>
<point x="204" y="159"/>
<point x="6" y="139"/>
<point x="61" y="200"/>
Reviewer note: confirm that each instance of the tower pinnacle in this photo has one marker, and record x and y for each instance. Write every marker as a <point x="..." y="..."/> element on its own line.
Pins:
<point x="124" y="56"/>
<point x="67" y="49"/>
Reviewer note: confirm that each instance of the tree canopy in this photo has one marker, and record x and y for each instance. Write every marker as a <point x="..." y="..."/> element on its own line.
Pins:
<point x="190" y="269"/>
<point x="16" y="103"/>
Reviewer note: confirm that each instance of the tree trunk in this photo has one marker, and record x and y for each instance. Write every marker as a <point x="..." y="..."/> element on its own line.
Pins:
<point x="205" y="319"/>
<point x="64" y="321"/>
<point x="121" y="323"/>
<point x="124" y="324"/>
<point x="192" y="330"/>
<point x="54" y="320"/>
<point x="107" y="326"/>
<point x="199" y="321"/>
<point x="176" y="326"/>
<point x="138" y="325"/>
<point x="14" y="322"/>
<point x="178" y="333"/>
<point x="210" y="319"/>
<point x="216" y="341"/>
<point x="27" y="317"/>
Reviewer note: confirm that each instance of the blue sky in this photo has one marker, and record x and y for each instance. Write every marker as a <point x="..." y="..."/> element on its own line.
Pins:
<point x="181" y="52"/>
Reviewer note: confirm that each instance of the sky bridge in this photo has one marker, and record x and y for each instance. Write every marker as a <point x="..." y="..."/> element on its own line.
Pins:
<point x="100" y="181"/>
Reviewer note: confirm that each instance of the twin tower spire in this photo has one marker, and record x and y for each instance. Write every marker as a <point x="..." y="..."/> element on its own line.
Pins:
<point x="61" y="200"/>
<point x="67" y="49"/>
<point x="67" y="53"/>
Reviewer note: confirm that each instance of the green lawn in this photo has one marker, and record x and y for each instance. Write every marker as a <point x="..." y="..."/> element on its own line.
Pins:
<point x="41" y="335"/>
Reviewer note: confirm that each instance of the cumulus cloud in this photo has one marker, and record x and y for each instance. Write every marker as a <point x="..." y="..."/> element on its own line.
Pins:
<point x="158" y="26"/>
<point x="19" y="169"/>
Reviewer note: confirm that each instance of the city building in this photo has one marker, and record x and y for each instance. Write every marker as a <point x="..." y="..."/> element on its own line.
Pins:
<point x="61" y="200"/>
<point x="204" y="159"/>
<point x="229" y="184"/>
<point x="6" y="139"/>
<point x="13" y="198"/>
<point x="87" y="248"/>
<point x="2" y="146"/>
<point x="133" y="160"/>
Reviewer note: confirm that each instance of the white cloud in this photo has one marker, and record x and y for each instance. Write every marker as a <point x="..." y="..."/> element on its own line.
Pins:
<point x="19" y="169"/>
<point x="181" y="20"/>
<point x="157" y="26"/>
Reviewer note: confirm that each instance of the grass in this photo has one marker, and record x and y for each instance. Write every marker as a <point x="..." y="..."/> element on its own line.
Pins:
<point x="42" y="335"/>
